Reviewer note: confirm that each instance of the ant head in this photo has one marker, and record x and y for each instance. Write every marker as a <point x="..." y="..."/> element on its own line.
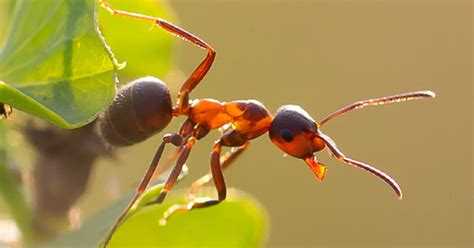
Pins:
<point x="295" y="132"/>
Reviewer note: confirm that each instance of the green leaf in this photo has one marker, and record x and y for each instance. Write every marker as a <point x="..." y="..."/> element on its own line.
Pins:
<point x="94" y="229"/>
<point x="237" y="222"/>
<point x="54" y="64"/>
<point x="147" y="50"/>
<point x="6" y="7"/>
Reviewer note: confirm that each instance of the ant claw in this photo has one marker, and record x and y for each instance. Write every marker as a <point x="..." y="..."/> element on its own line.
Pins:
<point x="162" y="222"/>
<point x="170" y="211"/>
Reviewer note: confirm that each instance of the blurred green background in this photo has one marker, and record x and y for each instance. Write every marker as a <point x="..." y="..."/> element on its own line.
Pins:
<point x="323" y="55"/>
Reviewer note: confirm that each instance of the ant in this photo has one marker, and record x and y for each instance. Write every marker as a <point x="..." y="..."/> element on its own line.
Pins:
<point x="143" y="108"/>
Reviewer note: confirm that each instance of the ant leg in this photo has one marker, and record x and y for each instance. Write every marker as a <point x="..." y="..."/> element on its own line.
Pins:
<point x="198" y="73"/>
<point x="335" y="152"/>
<point x="202" y="202"/>
<point x="232" y="139"/>
<point x="167" y="163"/>
<point x="175" y="139"/>
<point x="185" y="131"/>
<point x="176" y="170"/>
<point x="380" y="101"/>
<point x="226" y="161"/>
<point x="198" y="132"/>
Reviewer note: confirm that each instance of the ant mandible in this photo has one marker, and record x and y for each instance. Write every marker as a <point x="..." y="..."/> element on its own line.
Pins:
<point x="143" y="108"/>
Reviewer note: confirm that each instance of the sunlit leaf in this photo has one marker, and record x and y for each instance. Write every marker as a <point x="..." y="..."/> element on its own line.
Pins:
<point x="237" y="222"/>
<point x="54" y="64"/>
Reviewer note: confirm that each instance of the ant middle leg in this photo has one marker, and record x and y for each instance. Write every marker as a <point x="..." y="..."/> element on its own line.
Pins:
<point x="232" y="139"/>
<point x="198" y="73"/>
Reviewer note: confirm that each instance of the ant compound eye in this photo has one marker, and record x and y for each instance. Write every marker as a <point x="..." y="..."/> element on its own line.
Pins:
<point x="286" y="135"/>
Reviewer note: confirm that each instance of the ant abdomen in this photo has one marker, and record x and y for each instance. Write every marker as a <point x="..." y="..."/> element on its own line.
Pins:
<point x="140" y="109"/>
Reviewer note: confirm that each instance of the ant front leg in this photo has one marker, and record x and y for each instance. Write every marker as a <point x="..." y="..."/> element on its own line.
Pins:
<point x="232" y="139"/>
<point x="198" y="73"/>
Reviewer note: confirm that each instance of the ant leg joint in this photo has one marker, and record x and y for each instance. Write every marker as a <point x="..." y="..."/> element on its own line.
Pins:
<point x="173" y="138"/>
<point x="159" y="199"/>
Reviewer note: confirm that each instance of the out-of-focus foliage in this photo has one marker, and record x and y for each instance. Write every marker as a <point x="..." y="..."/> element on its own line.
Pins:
<point x="146" y="51"/>
<point x="54" y="64"/>
<point x="237" y="222"/>
<point x="6" y="7"/>
<point x="60" y="173"/>
<point x="10" y="192"/>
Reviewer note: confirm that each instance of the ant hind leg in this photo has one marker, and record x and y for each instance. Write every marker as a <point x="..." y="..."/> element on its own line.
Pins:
<point x="198" y="73"/>
<point x="175" y="139"/>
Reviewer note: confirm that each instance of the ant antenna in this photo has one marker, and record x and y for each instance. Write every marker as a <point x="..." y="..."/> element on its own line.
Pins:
<point x="380" y="101"/>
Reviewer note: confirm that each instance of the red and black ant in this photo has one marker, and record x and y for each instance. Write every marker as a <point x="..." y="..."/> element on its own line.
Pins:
<point x="143" y="108"/>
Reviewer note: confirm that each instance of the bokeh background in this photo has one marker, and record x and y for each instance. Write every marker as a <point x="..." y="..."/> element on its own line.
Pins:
<point x="323" y="55"/>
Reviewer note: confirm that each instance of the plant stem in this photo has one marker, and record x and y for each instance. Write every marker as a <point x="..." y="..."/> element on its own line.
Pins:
<point x="11" y="192"/>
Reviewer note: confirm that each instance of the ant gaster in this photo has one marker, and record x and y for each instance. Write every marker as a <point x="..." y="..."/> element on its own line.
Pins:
<point x="144" y="108"/>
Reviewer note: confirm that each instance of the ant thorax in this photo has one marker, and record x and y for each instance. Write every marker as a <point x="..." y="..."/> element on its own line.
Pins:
<point x="209" y="113"/>
<point x="248" y="117"/>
